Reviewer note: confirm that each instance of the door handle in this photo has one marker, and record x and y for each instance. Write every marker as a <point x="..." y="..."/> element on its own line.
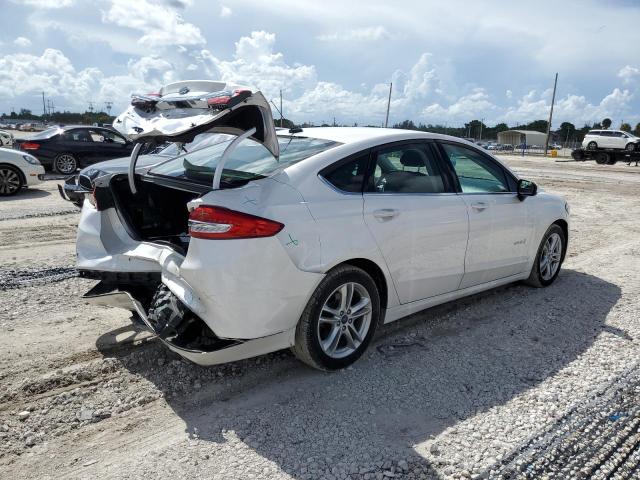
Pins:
<point x="385" y="214"/>
<point x="479" y="206"/>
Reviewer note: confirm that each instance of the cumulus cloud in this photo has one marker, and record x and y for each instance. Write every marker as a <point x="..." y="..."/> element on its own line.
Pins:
<point x="629" y="74"/>
<point x="160" y="24"/>
<point x="22" y="42"/>
<point x="225" y="12"/>
<point x="366" y="34"/>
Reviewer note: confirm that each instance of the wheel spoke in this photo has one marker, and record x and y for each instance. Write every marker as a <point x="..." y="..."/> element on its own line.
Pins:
<point x="346" y="295"/>
<point x="355" y="334"/>
<point x="331" y="343"/>
<point x="356" y="309"/>
<point x="349" y="338"/>
<point x="331" y="311"/>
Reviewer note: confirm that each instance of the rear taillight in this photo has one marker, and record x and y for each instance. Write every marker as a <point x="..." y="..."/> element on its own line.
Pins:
<point x="228" y="99"/>
<point x="30" y="146"/>
<point x="218" y="223"/>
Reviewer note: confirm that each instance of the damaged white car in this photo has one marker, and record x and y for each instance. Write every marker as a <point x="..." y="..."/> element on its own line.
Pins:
<point x="307" y="239"/>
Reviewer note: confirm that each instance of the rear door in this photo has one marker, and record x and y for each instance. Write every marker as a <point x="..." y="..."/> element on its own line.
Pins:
<point x="109" y="144"/>
<point x="499" y="226"/>
<point x="418" y="221"/>
<point x="79" y="142"/>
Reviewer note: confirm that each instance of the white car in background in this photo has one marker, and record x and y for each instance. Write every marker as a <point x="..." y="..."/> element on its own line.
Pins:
<point x="615" y="139"/>
<point x="307" y="239"/>
<point x="17" y="170"/>
<point x="6" y="138"/>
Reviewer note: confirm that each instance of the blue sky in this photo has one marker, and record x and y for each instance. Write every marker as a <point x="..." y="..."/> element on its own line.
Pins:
<point x="450" y="62"/>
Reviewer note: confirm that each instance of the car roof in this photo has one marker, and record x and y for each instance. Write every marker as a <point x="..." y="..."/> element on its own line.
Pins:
<point x="347" y="135"/>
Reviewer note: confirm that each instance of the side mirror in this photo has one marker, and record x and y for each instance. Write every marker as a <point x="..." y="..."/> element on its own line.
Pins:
<point x="526" y="188"/>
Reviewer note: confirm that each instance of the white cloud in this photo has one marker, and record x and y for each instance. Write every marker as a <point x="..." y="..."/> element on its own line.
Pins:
<point x="629" y="74"/>
<point x="160" y="24"/>
<point x="508" y="94"/>
<point x="46" y="3"/>
<point x="22" y="42"/>
<point x="366" y="34"/>
<point x="225" y="12"/>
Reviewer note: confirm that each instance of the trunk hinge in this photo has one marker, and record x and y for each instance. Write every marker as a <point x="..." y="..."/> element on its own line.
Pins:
<point x="217" y="176"/>
<point x="132" y="167"/>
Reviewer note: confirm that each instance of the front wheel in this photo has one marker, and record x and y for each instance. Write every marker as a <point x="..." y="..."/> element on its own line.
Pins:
<point x="592" y="146"/>
<point x="546" y="266"/>
<point x="339" y="320"/>
<point x="10" y="181"/>
<point x="65" y="163"/>
<point x="630" y="147"/>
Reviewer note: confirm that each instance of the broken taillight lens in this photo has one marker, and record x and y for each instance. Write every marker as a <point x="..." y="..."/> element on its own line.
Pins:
<point x="30" y="146"/>
<point x="228" y="99"/>
<point x="219" y="223"/>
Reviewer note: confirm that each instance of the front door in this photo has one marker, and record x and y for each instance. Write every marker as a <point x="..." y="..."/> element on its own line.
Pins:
<point x="417" y="220"/>
<point x="499" y="228"/>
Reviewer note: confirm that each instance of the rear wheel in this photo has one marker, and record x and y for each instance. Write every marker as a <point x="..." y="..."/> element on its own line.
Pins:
<point x="10" y="181"/>
<point x="592" y="146"/>
<point x="602" y="158"/>
<point x="546" y="266"/>
<point x="65" y="163"/>
<point x="339" y="321"/>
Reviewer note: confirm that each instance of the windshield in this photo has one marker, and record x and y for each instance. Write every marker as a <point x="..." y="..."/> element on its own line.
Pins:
<point x="49" y="132"/>
<point x="250" y="159"/>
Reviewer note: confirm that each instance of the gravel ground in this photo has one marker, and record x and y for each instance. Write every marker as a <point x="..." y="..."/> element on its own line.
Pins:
<point x="511" y="383"/>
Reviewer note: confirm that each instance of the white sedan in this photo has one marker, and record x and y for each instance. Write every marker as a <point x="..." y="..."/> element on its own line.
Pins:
<point x="17" y="170"/>
<point x="308" y="239"/>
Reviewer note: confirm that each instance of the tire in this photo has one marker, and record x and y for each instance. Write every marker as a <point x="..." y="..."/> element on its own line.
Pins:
<point x="612" y="160"/>
<point x="10" y="181"/>
<point x="537" y="278"/>
<point x="592" y="146"/>
<point x="351" y="334"/>
<point x="602" y="158"/>
<point x="65" y="164"/>
<point x="578" y="155"/>
<point x="167" y="313"/>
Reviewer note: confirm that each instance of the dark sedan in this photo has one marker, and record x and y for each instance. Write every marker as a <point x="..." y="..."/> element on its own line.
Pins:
<point x="64" y="149"/>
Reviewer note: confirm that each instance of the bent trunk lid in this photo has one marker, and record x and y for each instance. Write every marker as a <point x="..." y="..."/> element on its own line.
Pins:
<point x="182" y="110"/>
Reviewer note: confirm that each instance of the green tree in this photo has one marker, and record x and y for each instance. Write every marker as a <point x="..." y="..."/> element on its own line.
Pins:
<point x="636" y="131"/>
<point x="606" y="123"/>
<point x="566" y="130"/>
<point x="625" y="127"/>
<point x="538" y="126"/>
<point x="406" y="125"/>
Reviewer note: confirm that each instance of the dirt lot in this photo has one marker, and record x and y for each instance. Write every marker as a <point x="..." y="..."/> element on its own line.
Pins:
<point x="516" y="379"/>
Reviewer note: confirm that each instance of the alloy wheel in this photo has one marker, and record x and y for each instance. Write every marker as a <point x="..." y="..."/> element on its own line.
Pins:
<point x="65" y="164"/>
<point x="630" y="147"/>
<point x="9" y="181"/>
<point x="344" y="320"/>
<point x="551" y="256"/>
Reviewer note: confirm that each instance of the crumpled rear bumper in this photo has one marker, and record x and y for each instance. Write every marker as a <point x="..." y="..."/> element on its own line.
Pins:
<point x="229" y="351"/>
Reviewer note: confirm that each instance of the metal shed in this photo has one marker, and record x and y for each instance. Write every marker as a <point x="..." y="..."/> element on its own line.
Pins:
<point x="517" y="137"/>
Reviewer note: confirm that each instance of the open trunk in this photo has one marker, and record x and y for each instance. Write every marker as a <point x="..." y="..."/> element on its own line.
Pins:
<point x="156" y="213"/>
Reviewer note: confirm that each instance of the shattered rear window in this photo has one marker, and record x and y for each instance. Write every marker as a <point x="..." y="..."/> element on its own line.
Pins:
<point x="250" y="159"/>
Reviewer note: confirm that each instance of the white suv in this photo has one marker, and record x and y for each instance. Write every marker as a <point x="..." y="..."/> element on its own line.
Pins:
<point x="610" y="139"/>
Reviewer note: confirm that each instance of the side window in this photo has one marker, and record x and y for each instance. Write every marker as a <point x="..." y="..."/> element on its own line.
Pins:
<point x="110" y="137"/>
<point x="348" y="176"/>
<point x="77" y="136"/>
<point x="476" y="173"/>
<point x="409" y="168"/>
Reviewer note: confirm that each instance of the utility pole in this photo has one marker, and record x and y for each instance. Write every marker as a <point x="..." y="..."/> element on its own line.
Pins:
<point x="44" y="108"/>
<point x="386" y="122"/>
<point x="553" y="100"/>
<point x="281" y="118"/>
<point x="108" y="104"/>
<point x="91" y="107"/>
<point x="481" y="123"/>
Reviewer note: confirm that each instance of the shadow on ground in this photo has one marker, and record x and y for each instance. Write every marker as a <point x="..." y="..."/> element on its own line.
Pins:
<point x="422" y="375"/>
<point x="30" y="193"/>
